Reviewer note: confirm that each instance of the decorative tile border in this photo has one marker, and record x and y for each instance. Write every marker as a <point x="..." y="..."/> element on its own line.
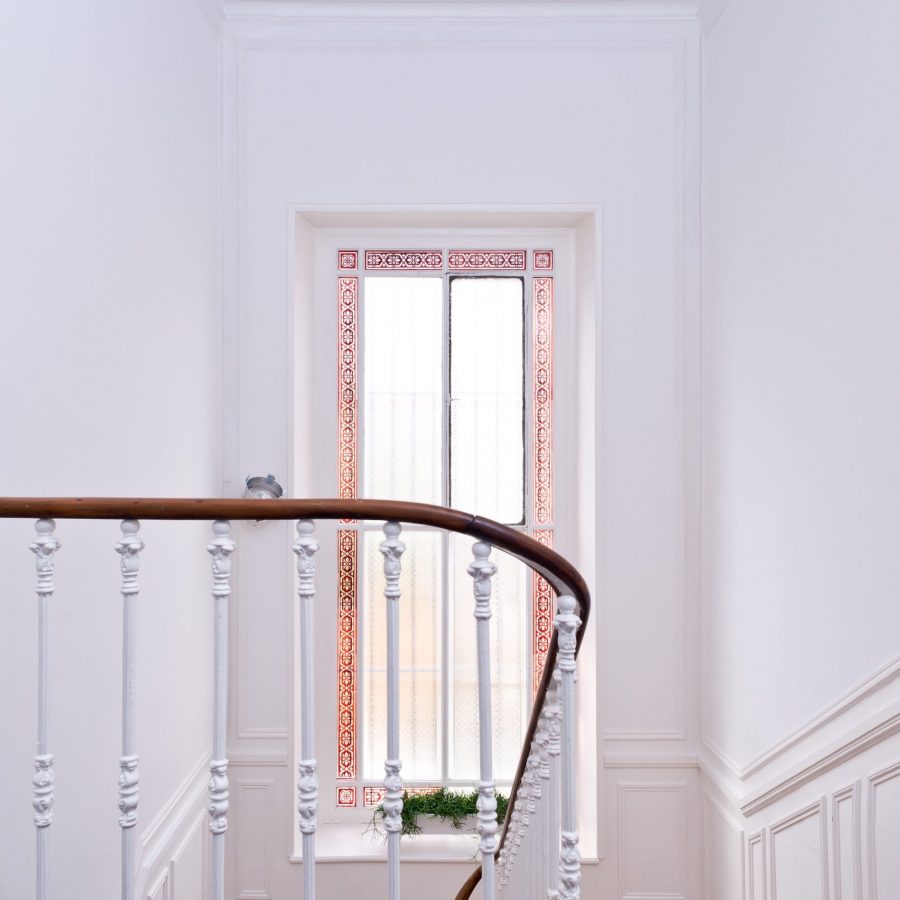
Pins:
<point x="346" y="797"/>
<point x="484" y="260"/>
<point x="348" y="384"/>
<point x="404" y="260"/>
<point x="542" y="355"/>
<point x="348" y="622"/>
<point x="541" y="616"/>
<point x="543" y="260"/>
<point x="372" y="796"/>
<point x="347" y="259"/>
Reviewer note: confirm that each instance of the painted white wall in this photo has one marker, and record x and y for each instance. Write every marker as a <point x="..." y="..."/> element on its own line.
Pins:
<point x="109" y="385"/>
<point x="362" y="114"/>
<point x="801" y="493"/>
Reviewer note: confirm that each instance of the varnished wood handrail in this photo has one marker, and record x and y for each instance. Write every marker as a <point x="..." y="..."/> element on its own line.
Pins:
<point x="562" y="576"/>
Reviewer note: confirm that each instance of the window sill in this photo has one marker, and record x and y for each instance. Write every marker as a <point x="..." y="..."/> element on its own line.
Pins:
<point x="346" y="842"/>
<point x="342" y="843"/>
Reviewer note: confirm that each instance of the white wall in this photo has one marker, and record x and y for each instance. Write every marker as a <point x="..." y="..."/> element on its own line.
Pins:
<point x="801" y="490"/>
<point x="406" y="112"/>
<point x="109" y="385"/>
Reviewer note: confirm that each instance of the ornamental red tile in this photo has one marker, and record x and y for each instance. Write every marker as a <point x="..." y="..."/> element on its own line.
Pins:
<point x="542" y="379"/>
<point x="541" y="606"/>
<point x="485" y="260"/>
<point x="347" y="644"/>
<point x="404" y="260"/>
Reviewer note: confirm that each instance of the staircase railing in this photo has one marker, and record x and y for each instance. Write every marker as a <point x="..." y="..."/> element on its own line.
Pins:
<point x="534" y="854"/>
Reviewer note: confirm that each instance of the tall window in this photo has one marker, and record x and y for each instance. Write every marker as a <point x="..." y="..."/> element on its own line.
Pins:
<point x="445" y="397"/>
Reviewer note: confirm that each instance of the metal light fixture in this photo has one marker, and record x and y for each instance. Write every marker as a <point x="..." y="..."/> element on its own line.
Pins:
<point x="263" y="487"/>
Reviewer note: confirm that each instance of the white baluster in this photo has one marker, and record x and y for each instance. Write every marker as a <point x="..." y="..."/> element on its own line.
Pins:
<point x="482" y="570"/>
<point x="221" y="548"/>
<point x="554" y="727"/>
<point x="129" y="549"/>
<point x="305" y="548"/>
<point x="535" y="847"/>
<point x="567" y="623"/>
<point x="544" y="854"/>
<point x="392" y="549"/>
<point x="44" y="549"/>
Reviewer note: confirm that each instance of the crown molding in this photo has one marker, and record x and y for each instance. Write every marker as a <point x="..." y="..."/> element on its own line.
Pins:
<point x="214" y="13"/>
<point x="370" y="12"/>
<point x="709" y="12"/>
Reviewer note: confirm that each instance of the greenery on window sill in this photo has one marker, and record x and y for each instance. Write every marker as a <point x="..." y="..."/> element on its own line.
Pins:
<point x="449" y="806"/>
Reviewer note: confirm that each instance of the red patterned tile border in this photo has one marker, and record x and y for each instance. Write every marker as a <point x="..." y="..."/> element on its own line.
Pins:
<point x="541" y="615"/>
<point x="483" y="260"/>
<point x="404" y="260"/>
<point x="543" y="400"/>
<point x="372" y="796"/>
<point x="348" y="622"/>
<point x="348" y="401"/>
<point x="543" y="260"/>
<point x="347" y="259"/>
<point x="346" y="797"/>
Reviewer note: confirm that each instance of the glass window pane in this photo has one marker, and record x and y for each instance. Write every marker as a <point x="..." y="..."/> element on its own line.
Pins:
<point x="509" y="648"/>
<point x="402" y="354"/>
<point x="420" y="657"/>
<point x="487" y="444"/>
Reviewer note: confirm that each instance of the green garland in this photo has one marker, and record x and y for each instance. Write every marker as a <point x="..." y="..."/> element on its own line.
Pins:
<point x="441" y="804"/>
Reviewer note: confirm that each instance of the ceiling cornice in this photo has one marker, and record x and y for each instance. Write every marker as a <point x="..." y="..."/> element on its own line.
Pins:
<point x="335" y="12"/>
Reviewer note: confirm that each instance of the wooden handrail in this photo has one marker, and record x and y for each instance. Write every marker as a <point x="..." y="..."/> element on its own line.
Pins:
<point x="560" y="574"/>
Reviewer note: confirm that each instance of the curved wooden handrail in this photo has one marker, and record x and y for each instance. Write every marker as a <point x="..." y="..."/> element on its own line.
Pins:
<point x="560" y="574"/>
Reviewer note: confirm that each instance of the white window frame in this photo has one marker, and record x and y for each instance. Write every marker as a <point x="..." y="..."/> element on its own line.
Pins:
<point x="328" y="241"/>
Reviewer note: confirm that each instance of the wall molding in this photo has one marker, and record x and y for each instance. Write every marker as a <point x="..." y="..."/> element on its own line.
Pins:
<point x="268" y="760"/>
<point x="637" y="787"/>
<point x="855" y="742"/>
<point x="756" y="843"/>
<point x="843" y="704"/>
<point x="852" y="795"/>
<point x="820" y="809"/>
<point x="872" y="782"/>
<point x="647" y="761"/>
<point x="709" y="12"/>
<point x="214" y="14"/>
<point x="846" y="703"/>
<point x="244" y="788"/>
<point x="166" y="831"/>
<point x="241" y="17"/>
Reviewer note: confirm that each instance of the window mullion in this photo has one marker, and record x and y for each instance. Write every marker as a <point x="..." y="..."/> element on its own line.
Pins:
<point x="445" y="536"/>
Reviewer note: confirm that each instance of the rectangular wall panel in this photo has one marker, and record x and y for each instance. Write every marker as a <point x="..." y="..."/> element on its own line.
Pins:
<point x="884" y="834"/>
<point x="251" y="818"/>
<point x="845" y="851"/>
<point x="756" y="867"/>
<point x="799" y="861"/>
<point x="652" y="841"/>
<point x="186" y="868"/>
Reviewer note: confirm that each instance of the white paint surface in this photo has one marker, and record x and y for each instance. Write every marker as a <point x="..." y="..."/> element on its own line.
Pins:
<point x="109" y="385"/>
<point x="802" y="424"/>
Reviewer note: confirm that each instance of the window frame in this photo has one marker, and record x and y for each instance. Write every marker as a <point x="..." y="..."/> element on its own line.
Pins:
<point x="558" y="242"/>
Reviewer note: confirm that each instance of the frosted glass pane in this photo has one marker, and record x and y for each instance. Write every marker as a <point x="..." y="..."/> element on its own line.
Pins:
<point x="509" y="648"/>
<point x="402" y="355"/>
<point x="420" y="657"/>
<point x="487" y="445"/>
